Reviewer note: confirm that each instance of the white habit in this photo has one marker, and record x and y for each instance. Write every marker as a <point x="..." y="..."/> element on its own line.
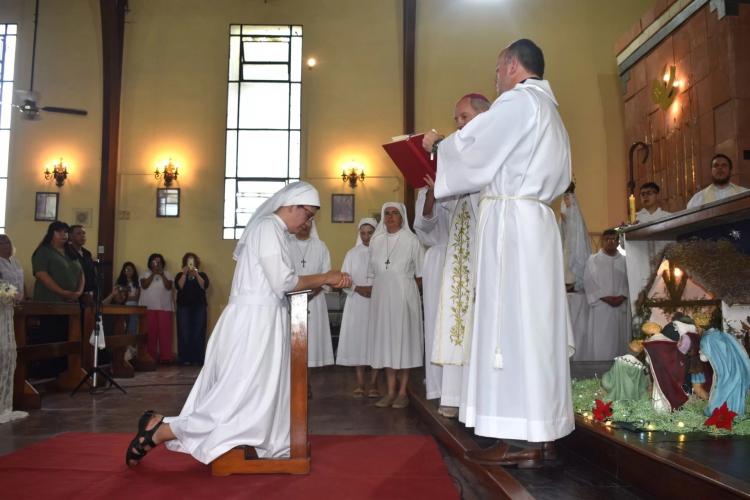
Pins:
<point x="608" y="332"/>
<point x="642" y="256"/>
<point x="518" y="154"/>
<point x="241" y="396"/>
<point x="352" y="349"/>
<point x="395" y="337"/>
<point x="432" y="232"/>
<point x="317" y="260"/>
<point x="713" y="193"/>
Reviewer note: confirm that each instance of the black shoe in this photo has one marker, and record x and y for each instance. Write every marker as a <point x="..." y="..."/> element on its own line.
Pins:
<point x="137" y="448"/>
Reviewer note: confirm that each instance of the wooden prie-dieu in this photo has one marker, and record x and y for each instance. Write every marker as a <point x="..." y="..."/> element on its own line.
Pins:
<point x="243" y="459"/>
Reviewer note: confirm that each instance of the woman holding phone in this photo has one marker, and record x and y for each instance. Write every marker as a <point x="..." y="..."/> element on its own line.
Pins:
<point x="156" y="295"/>
<point x="191" y="284"/>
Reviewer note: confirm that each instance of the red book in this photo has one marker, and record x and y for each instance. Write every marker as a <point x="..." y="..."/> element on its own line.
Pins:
<point x="413" y="161"/>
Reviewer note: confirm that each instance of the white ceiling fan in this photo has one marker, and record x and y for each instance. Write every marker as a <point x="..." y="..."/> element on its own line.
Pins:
<point x="27" y="101"/>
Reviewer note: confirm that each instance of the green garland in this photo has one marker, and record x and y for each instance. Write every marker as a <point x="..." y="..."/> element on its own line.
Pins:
<point x="642" y="414"/>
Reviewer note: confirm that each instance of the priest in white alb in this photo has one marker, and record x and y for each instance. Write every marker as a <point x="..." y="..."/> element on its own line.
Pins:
<point x="242" y="394"/>
<point x="432" y="232"/>
<point x="517" y="154"/>
<point x="448" y="287"/>
<point x="605" y="282"/>
<point x="310" y="256"/>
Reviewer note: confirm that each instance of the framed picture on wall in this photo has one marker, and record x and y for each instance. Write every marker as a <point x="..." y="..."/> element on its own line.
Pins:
<point x="342" y="208"/>
<point x="46" y="206"/>
<point x="168" y="202"/>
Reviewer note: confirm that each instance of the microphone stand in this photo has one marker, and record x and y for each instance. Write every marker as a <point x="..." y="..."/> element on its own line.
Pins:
<point x="92" y="372"/>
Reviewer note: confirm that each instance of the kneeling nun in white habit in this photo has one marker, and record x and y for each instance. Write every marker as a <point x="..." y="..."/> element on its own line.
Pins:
<point x="242" y="394"/>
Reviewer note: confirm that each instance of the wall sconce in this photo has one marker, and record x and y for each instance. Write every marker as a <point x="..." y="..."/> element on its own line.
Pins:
<point x="169" y="171"/>
<point x="353" y="174"/>
<point x="664" y="91"/>
<point x="59" y="172"/>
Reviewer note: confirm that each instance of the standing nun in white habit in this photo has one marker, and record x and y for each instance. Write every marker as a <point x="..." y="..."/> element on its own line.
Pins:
<point x="448" y="317"/>
<point x="395" y="338"/>
<point x="605" y="281"/>
<point x="242" y="394"/>
<point x="310" y="256"/>
<point x="352" y="349"/>
<point x="517" y="155"/>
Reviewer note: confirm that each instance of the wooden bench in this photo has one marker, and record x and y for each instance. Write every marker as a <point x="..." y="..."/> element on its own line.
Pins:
<point x="28" y="314"/>
<point x="243" y="459"/>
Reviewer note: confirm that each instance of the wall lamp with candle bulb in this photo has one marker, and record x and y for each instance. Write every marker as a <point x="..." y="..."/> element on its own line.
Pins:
<point x="169" y="171"/>
<point x="59" y="172"/>
<point x="352" y="174"/>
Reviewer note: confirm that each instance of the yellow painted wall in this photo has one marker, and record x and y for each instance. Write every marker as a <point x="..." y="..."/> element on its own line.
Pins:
<point x="174" y="104"/>
<point x="68" y="74"/>
<point x="457" y="47"/>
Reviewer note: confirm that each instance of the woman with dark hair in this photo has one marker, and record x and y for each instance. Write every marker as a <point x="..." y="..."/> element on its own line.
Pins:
<point x="156" y="295"/>
<point x="191" y="286"/>
<point x="127" y="283"/>
<point x="58" y="277"/>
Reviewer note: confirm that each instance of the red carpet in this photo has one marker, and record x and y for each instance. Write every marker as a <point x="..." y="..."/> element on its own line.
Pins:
<point x="82" y="465"/>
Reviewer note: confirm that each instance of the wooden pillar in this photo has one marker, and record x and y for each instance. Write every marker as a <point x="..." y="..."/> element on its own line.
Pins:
<point x="409" y="34"/>
<point x="113" y="29"/>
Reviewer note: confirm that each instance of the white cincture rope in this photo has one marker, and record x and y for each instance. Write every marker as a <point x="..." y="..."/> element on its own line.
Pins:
<point x="498" y="360"/>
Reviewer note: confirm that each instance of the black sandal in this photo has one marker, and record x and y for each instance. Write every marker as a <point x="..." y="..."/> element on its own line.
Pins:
<point x="137" y="447"/>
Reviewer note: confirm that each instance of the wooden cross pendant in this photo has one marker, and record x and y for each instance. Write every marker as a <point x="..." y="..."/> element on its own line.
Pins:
<point x="304" y="262"/>
<point x="388" y="261"/>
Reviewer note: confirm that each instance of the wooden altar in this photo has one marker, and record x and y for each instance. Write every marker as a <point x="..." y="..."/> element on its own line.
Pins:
<point x="243" y="459"/>
<point x="729" y="213"/>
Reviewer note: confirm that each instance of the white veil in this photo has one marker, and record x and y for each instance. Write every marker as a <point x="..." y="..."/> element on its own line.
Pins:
<point x="380" y="229"/>
<point x="296" y="193"/>
<point x="575" y="239"/>
<point x="369" y="221"/>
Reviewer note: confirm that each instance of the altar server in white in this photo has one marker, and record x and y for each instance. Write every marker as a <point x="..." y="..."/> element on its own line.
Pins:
<point x="352" y="349"/>
<point x="605" y="282"/>
<point x="640" y="255"/>
<point x="395" y="337"/>
<point x="720" y="187"/>
<point x="241" y="396"/>
<point x="518" y="155"/>
<point x="310" y="256"/>
<point x="448" y="284"/>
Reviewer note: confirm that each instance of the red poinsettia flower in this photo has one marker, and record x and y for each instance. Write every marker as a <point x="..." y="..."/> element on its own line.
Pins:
<point x="602" y="410"/>
<point x="721" y="417"/>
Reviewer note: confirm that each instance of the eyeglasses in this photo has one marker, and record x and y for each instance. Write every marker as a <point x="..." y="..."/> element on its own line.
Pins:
<point x="310" y="214"/>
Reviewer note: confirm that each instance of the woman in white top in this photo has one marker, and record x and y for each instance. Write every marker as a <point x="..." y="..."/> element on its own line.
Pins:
<point x="395" y="336"/>
<point x="156" y="295"/>
<point x="352" y="350"/>
<point x="241" y="396"/>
